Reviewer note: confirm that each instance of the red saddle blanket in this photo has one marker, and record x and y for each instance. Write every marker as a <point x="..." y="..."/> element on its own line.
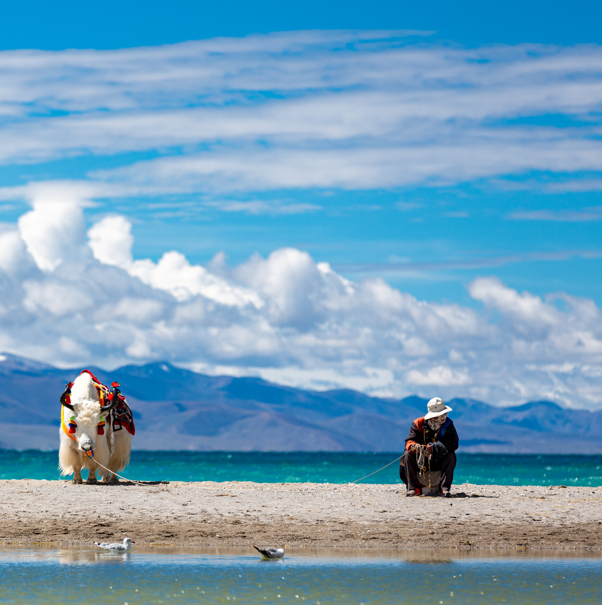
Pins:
<point x="120" y="417"/>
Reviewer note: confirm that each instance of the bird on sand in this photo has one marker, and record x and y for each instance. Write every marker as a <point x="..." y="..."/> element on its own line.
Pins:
<point x="117" y="546"/>
<point x="269" y="552"/>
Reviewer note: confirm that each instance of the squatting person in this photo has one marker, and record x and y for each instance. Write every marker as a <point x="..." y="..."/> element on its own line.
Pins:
<point x="430" y="451"/>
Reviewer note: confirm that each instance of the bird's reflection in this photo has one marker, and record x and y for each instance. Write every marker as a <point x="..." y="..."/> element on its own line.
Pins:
<point x="90" y="557"/>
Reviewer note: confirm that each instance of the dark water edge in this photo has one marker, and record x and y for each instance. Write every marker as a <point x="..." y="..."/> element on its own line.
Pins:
<point x="319" y="467"/>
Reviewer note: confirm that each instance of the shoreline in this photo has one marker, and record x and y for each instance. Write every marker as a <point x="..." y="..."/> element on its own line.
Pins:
<point x="302" y="515"/>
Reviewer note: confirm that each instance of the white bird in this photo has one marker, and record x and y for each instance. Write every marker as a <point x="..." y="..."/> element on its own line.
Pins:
<point x="117" y="546"/>
<point x="269" y="552"/>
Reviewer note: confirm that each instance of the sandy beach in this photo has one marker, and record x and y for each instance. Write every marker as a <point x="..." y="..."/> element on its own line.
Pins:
<point x="301" y="515"/>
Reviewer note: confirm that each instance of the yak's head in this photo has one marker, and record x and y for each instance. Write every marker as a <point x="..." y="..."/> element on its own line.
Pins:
<point x="86" y="408"/>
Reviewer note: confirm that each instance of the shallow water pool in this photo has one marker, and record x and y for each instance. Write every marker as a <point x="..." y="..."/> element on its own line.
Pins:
<point x="148" y="576"/>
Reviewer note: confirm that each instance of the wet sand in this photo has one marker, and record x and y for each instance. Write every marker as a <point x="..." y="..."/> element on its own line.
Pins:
<point x="301" y="515"/>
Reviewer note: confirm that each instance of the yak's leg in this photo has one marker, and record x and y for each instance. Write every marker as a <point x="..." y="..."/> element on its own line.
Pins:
<point x="109" y="478"/>
<point x="101" y="456"/>
<point x="77" y="469"/>
<point x="92" y="480"/>
<point x="70" y="460"/>
<point x="91" y="464"/>
<point x="120" y="457"/>
<point x="77" y="475"/>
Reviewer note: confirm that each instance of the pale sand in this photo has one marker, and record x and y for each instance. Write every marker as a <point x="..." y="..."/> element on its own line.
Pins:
<point x="301" y="515"/>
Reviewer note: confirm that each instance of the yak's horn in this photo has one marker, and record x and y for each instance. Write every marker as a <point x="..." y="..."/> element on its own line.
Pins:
<point x="114" y="400"/>
<point x="64" y="397"/>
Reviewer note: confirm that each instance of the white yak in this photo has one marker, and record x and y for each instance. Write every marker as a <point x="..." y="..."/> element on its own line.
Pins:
<point x="86" y="441"/>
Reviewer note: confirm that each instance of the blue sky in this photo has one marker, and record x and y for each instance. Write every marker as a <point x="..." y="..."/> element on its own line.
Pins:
<point x="424" y="163"/>
<point x="69" y="24"/>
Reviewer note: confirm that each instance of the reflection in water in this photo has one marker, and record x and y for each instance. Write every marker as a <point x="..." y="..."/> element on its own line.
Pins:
<point x="89" y="557"/>
<point x="416" y="555"/>
<point x="152" y="576"/>
<point x="422" y="561"/>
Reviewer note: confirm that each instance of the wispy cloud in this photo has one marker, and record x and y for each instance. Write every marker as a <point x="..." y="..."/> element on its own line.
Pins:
<point x="408" y="206"/>
<point x="482" y="262"/>
<point x="575" y="185"/>
<point x="263" y="207"/>
<point x="456" y="214"/>
<point x="564" y="216"/>
<point x="351" y="110"/>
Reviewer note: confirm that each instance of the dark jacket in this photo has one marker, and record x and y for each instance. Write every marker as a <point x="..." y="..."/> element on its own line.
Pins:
<point x="444" y="440"/>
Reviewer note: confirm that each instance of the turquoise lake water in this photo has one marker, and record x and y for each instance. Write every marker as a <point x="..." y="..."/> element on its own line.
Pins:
<point x="56" y="576"/>
<point x="497" y="469"/>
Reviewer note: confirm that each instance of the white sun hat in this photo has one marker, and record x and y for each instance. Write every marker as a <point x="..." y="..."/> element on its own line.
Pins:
<point x="436" y="406"/>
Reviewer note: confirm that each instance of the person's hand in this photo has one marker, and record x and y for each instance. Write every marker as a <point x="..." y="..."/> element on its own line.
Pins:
<point x="429" y="449"/>
<point x="413" y="448"/>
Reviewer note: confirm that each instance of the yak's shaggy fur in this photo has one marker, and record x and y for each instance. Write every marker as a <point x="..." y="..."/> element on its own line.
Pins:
<point x="111" y="449"/>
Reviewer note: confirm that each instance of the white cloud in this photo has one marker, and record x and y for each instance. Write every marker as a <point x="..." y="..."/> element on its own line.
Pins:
<point x="53" y="232"/>
<point x="13" y="253"/>
<point x="343" y="109"/>
<point x="405" y="266"/>
<point x="376" y="381"/>
<point x="349" y="110"/>
<point x="295" y="288"/>
<point x="564" y="216"/>
<point x="56" y="297"/>
<point x="47" y="234"/>
<point x="470" y="156"/>
<point x="291" y="319"/>
<point x="528" y="312"/>
<point x="176" y="275"/>
<point x="259" y="207"/>
<point x="111" y="241"/>
<point x="440" y="376"/>
<point x="408" y="206"/>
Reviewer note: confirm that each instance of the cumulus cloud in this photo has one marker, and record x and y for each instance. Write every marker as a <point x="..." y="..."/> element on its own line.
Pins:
<point x="176" y="275"/>
<point x="13" y="252"/>
<point x="286" y="317"/>
<point x="442" y="376"/>
<point x="110" y="240"/>
<point x="53" y="231"/>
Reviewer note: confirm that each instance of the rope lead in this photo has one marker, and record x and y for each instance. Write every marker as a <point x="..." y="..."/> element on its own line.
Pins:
<point x="113" y="472"/>
<point x="144" y="482"/>
<point x="378" y="471"/>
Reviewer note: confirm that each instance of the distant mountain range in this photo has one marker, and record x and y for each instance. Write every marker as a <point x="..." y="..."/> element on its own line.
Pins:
<point x="175" y="409"/>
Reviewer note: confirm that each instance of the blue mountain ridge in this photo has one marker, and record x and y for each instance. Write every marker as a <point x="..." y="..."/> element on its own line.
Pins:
<point x="176" y="409"/>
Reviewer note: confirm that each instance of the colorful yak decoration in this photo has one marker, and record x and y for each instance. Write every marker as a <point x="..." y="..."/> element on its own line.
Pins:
<point x="97" y="425"/>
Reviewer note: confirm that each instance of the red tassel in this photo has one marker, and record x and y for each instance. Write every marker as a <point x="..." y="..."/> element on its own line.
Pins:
<point x="100" y="430"/>
<point x="71" y="429"/>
